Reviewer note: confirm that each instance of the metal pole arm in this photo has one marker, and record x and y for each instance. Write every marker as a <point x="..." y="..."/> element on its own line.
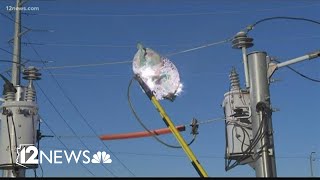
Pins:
<point x="299" y="59"/>
<point x="273" y="66"/>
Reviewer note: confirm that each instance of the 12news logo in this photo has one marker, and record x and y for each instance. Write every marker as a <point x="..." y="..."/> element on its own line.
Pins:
<point x="29" y="155"/>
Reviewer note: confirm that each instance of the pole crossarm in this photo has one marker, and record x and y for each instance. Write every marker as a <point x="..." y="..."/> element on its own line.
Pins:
<point x="273" y="66"/>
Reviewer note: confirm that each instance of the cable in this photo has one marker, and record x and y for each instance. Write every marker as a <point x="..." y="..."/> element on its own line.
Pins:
<point x="9" y="136"/>
<point x="38" y="145"/>
<point x="128" y="62"/>
<point x="53" y="133"/>
<point x="64" y="147"/>
<point x="142" y="124"/>
<point x="83" y="118"/>
<point x="87" y="65"/>
<point x="297" y="72"/>
<point x="68" y="125"/>
<point x="251" y="27"/>
<point x="199" y="47"/>
<point x="173" y="14"/>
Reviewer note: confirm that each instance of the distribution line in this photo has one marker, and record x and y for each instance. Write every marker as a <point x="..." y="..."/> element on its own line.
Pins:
<point x="68" y="125"/>
<point x="90" y="136"/>
<point x="81" y="115"/>
<point x="174" y="14"/>
<point x="54" y="132"/>
<point x="129" y="62"/>
<point x="60" y="115"/>
<point x="65" y="145"/>
<point x="199" y="47"/>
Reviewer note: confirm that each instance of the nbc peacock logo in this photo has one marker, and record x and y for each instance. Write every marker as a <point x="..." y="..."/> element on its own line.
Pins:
<point x="101" y="157"/>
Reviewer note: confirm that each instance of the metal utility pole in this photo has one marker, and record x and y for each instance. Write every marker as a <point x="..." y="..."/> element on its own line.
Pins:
<point x="19" y="111"/>
<point x="311" y="164"/>
<point x="265" y="165"/>
<point x="16" y="68"/>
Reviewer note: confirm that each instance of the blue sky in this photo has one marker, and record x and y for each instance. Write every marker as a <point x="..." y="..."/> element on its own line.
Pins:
<point x="97" y="31"/>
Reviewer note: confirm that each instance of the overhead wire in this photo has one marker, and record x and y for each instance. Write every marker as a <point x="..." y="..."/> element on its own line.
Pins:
<point x="68" y="125"/>
<point x="81" y="115"/>
<point x="299" y="73"/>
<point x="130" y="61"/>
<point x="252" y="26"/>
<point x="143" y="125"/>
<point x="149" y="131"/>
<point x="65" y="146"/>
<point x="174" y="14"/>
<point x="51" y="131"/>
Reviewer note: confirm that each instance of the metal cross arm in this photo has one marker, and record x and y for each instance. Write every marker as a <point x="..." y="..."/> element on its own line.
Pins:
<point x="273" y="66"/>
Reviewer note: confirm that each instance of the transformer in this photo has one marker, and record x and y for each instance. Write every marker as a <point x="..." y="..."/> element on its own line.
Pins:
<point x="238" y="124"/>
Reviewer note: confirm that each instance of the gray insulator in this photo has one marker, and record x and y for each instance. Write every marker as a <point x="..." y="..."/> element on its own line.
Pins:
<point x="9" y="96"/>
<point x="30" y="94"/>
<point x="31" y="74"/>
<point x="234" y="79"/>
<point x="241" y="40"/>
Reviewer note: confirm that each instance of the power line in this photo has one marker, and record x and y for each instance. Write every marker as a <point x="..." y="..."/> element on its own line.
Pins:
<point x="172" y="14"/>
<point x="199" y="122"/>
<point x="127" y="62"/>
<point x="299" y="73"/>
<point x="87" y="65"/>
<point x="26" y="59"/>
<point x="251" y="27"/>
<point x="199" y="47"/>
<point x="68" y="125"/>
<point x="54" y="132"/>
<point x="65" y="146"/>
<point x="60" y="115"/>
<point x="81" y="115"/>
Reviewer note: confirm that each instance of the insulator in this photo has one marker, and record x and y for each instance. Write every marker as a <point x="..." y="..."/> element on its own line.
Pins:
<point x="9" y="96"/>
<point x="30" y="94"/>
<point x="31" y="73"/>
<point x="241" y="40"/>
<point x="234" y="79"/>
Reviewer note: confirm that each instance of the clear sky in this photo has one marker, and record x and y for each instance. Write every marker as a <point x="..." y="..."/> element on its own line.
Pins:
<point x="97" y="31"/>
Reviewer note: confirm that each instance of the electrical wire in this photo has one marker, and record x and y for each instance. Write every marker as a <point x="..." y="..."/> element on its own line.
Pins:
<point x="142" y="124"/>
<point x="58" y="139"/>
<point x="128" y="62"/>
<point x="65" y="146"/>
<point x="81" y="115"/>
<point x="199" y="47"/>
<point x="87" y="65"/>
<point x="68" y="125"/>
<point x="38" y="145"/>
<point x="174" y="14"/>
<point x="10" y="147"/>
<point x="300" y="74"/>
<point x="251" y="27"/>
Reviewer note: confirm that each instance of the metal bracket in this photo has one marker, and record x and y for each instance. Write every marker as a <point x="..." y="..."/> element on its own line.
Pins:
<point x="271" y="69"/>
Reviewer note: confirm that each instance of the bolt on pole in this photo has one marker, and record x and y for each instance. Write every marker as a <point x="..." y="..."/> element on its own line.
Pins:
<point x="265" y="165"/>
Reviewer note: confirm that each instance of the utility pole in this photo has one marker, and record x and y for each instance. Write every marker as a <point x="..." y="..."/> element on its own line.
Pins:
<point x="311" y="164"/>
<point x="19" y="112"/>
<point x="265" y="165"/>
<point x="16" y="66"/>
